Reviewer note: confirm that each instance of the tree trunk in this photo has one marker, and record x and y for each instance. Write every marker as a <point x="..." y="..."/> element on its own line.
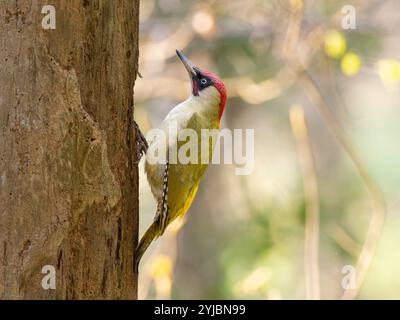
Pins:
<point x="68" y="173"/>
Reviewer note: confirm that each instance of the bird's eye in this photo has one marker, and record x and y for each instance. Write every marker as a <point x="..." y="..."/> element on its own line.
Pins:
<point x="204" y="81"/>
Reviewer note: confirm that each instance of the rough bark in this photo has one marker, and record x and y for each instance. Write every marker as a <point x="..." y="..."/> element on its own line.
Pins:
<point x="68" y="178"/>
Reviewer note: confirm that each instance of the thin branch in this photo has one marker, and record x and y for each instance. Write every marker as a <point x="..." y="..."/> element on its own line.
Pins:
<point x="344" y="240"/>
<point x="378" y="203"/>
<point x="299" y="65"/>
<point x="310" y="185"/>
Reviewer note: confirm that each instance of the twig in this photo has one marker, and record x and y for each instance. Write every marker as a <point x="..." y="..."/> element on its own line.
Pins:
<point x="299" y="65"/>
<point x="311" y="243"/>
<point x="378" y="203"/>
<point x="344" y="240"/>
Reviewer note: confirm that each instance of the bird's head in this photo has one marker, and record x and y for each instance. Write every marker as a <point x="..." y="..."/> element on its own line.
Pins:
<point x="205" y="84"/>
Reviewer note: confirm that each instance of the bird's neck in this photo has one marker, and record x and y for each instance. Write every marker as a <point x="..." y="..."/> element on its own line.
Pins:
<point x="209" y="104"/>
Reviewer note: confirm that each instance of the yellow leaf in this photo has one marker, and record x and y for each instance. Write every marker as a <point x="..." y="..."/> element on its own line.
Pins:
<point x="162" y="267"/>
<point x="350" y="64"/>
<point x="335" y="44"/>
<point x="389" y="71"/>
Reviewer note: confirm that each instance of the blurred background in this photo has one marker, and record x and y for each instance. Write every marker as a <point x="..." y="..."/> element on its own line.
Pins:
<point x="325" y="105"/>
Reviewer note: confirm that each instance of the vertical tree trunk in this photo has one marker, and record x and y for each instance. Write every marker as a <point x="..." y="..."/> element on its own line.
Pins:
<point x="68" y="173"/>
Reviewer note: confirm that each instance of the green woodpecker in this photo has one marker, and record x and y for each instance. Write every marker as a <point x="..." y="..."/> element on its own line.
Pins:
<point x="174" y="185"/>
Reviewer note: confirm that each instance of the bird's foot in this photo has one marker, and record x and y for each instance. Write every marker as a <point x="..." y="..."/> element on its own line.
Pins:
<point x="141" y="142"/>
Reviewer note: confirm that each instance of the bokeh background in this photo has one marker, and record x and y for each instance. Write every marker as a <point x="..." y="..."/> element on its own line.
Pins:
<point x="325" y="105"/>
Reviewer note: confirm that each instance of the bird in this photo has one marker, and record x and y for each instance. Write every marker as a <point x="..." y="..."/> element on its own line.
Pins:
<point x="174" y="184"/>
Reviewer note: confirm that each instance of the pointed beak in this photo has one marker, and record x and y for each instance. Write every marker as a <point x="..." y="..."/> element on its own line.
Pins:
<point x="190" y="67"/>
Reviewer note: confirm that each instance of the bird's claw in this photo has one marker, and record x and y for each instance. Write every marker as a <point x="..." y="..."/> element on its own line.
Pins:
<point x="141" y="142"/>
